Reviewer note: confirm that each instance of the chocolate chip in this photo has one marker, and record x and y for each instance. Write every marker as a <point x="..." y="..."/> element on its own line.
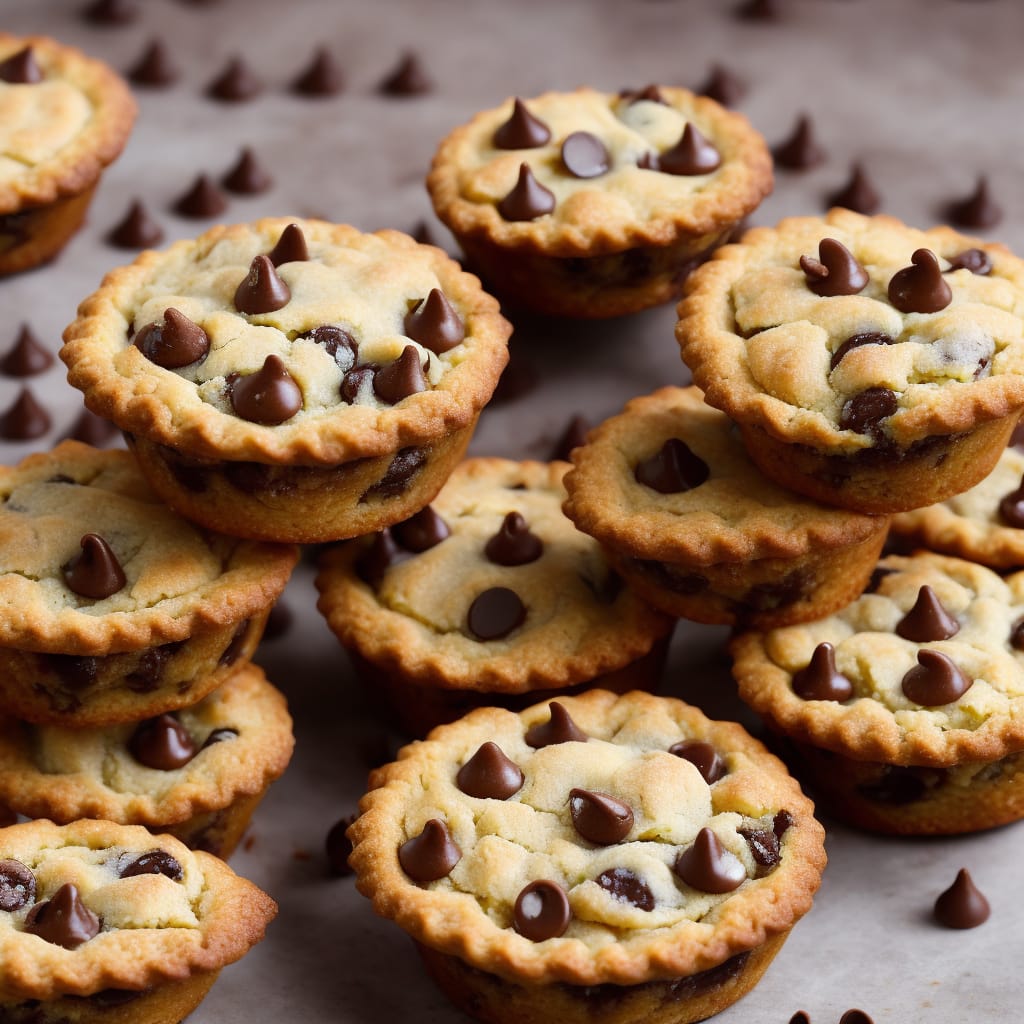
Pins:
<point x="174" y="343"/>
<point x="927" y="620"/>
<point x="406" y="79"/>
<point x="624" y="885"/>
<point x="111" y="12"/>
<point x="648" y="162"/>
<point x="136" y="229"/>
<point x="26" y="357"/>
<point x="421" y="233"/>
<point x="339" y="847"/>
<point x="835" y="272"/>
<point x="855" y="1017"/>
<point x="858" y="194"/>
<point x="977" y="261"/>
<point x="430" y="855"/>
<point x="935" y="680"/>
<point x="375" y="560"/>
<point x="672" y="469"/>
<point x="236" y="645"/>
<point x="920" y="288"/>
<point x="269" y="396"/>
<point x="584" y="155"/>
<point x="820" y="679"/>
<point x="323" y="76"/>
<point x="723" y="86"/>
<point x="559" y="728"/>
<point x="404" y="466"/>
<point x="542" y="911"/>
<point x="528" y="200"/>
<point x="25" y="420"/>
<point x="1011" y="507"/>
<point x="692" y="154"/>
<point x="75" y="671"/>
<point x="147" y="673"/>
<point x="108" y="998"/>
<point x="764" y="847"/>
<point x="203" y="199"/>
<point x="495" y="613"/>
<point x="434" y="323"/>
<point x="962" y="905"/>
<point x="420" y="532"/>
<point x="337" y="342"/>
<point x="235" y="84"/>
<point x="863" y="413"/>
<point x="95" y="572"/>
<point x="222" y="735"/>
<point x="261" y="290"/>
<point x="21" y="68"/>
<point x="522" y="130"/>
<point x="799" y="1018"/>
<point x="352" y="382"/>
<point x="574" y="436"/>
<point x="154" y="69"/>
<point x="401" y="378"/>
<point x="856" y="341"/>
<point x="156" y="862"/>
<point x="17" y="885"/>
<point x="63" y="920"/>
<point x="877" y="575"/>
<point x="782" y="823"/>
<point x="162" y="743"/>
<point x="703" y="755"/>
<point x="291" y="247"/>
<point x="514" y="543"/>
<point x="708" y="867"/>
<point x="758" y="10"/>
<point x="800" y="151"/>
<point x="490" y="774"/>
<point x="599" y="818"/>
<point x="976" y="211"/>
<point x="649" y="94"/>
<point x="247" y="177"/>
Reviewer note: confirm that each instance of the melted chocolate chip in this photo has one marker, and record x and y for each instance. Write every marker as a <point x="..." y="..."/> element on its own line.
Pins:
<point x="584" y="155"/>
<point x="977" y="261"/>
<point x="542" y="911"/>
<point x="404" y="466"/>
<point x="77" y="672"/>
<point x="1011" y="506"/>
<point x="820" y="679"/>
<point x="27" y="357"/>
<point x="703" y="755"/>
<point x="223" y="735"/>
<point x="337" y="342"/>
<point x="146" y="676"/>
<point x="353" y="381"/>
<point x="174" y="343"/>
<point x="559" y="728"/>
<point x="877" y="575"/>
<point x="935" y="680"/>
<point x="764" y="847"/>
<point x="672" y="469"/>
<point x="599" y="818"/>
<point x="430" y="855"/>
<point x="708" y="867"/>
<point x="692" y="154"/>
<point x="25" y="420"/>
<point x="800" y="151"/>
<point x="627" y="887"/>
<point x="962" y="905"/>
<point x="856" y="341"/>
<point x="17" y="885"/>
<point x="863" y="413"/>
<point x="323" y="76"/>
<point x="920" y="288"/>
<point x="495" y="613"/>
<point x="927" y="620"/>
<point x="236" y="645"/>
<point x="976" y="211"/>
<point x="235" y="84"/>
<point x="522" y="130"/>
<point x="723" y="86"/>
<point x="835" y="272"/>
<point x="858" y="194"/>
<point x="400" y="379"/>
<point x="434" y="323"/>
<point x="203" y="199"/>
<point x="111" y="12"/>
<point x="375" y="560"/>
<point x="528" y="200"/>
<point x="782" y="823"/>
<point x="136" y="229"/>
<point x="291" y="247"/>
<point x="162" y="743"/>
<point x="154" y="69"/>
<point x="407" y="78"/>
<point x="514" y="543"/>
<point x="21" y="68"/>
<point x="261" y="290"/>
<point x="155" y="862"/>
<point x="269" y="396"/>
<point x="490" y="774"/>
<point x="111" y="997"/>
<point x="95" y="572"/>
<point x="63" y="920"/>
<point x="247" y="177"/>
<point x="422" y="531"/>
<point x="574" y="436"/>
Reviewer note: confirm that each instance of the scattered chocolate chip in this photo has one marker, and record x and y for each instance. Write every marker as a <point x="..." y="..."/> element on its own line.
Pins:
<point x="624" y="885"/>
<point x="421" y="233"/>
<point x="430" y="855"/>
<point x="528" y="200"/>
<point x="935" y="680"/>
<point x="375" y="560"/>
<point x="708" y="867"/>
<point x="174" y="343"/>
<point x="927" y="620"/>
<point x="26" y="357"/>
<point x="422" y="531"/>
<point x="136" y="229"/>
<point x="21" y="68"/>
<point x="855" y="1017"/>
<point x="162" y="743"/>
<point x="599" y="818"/>
<point x="337" y="342"/>
<point x="156" y="862"/>
<point x="91" y="429"/>
<point x="514" y="543"/>
<point x="25" y="420"/>
<point x="154" y="69"/>
<point x="401" y="378"/>
<point x="63" y="920"/>
<point x="800" y="151"/>
<point x="977" y="261"/>
<point x="758" y="10"/>
<point x="856" y="341"/>
<point x="261" y="290"/>
<point x="1011" y="506"/>
<point x="235" y="84"/>
<point x="692" y="154"/>
<point x="574" y="436"/>
<point x="17" y="885"/>
<point x="703" y="755"/>
<point x="407" y="78"/>
<point x="322" y="77"/>
<point x="95" y="572"/>
<point x="542" y="911"/>
<point x="434" y="323"/>
<point x="672" y="469"/>
<point x="858" y="194"/>
<point x="522" y="130"/>
<point x="920" y="288"/>
<point x="495" y="613"/>
<point x="269" y="396"/>
<point x="723" y="86"/>
<point x="203" y="199"/>
<point x="962" y="905"/>
<point x="111" y="12"/>
<point x="835" y="272"/>
<point x="291" y="247"/>
<point x="490" y="774"/>
<point x="799" y="1018"/>
<point x="584" y="155"/>
<point x="820" y="679"/>
<point x="247" y="177"/>
<point x="864" y="412"/>
<point x="236" y="645"/>
<point x="976" y="211"/>
<point x="559" y="728"/>
<point x="763" y="846"/>
<point x="339" y="847"/>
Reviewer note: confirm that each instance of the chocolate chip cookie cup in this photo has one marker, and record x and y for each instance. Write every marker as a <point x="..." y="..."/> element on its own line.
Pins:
<point x="590" y="204"/>
<point x="906" y="707"/>
<point x="869" y="365"/>
<point x="291" y="380"/>
<point x="113" y="608"/>
<point x="102" y="922"/>
<point x="692" y="525"/>
<point x="620" y="857"/>
<point x="488" y="596"/>
<point x="63" y="118"/>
